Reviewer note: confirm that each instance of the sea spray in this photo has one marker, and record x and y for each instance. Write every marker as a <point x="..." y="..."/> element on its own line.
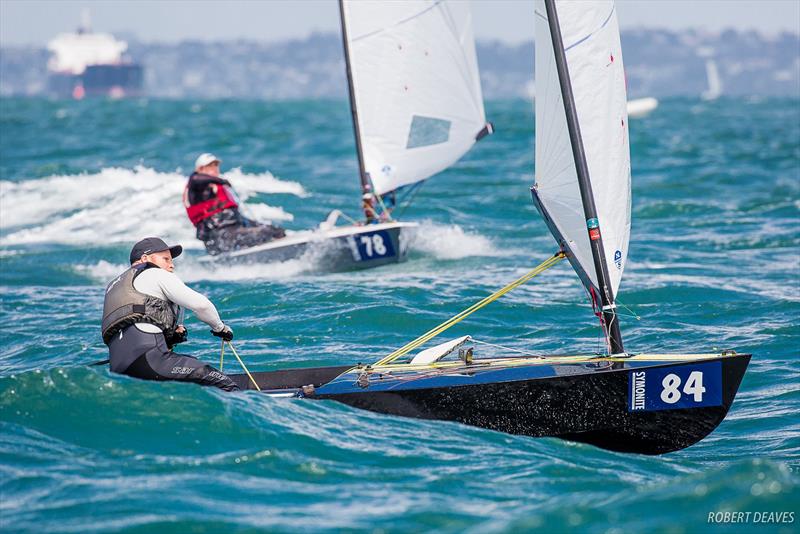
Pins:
<point x="117" y="205"/>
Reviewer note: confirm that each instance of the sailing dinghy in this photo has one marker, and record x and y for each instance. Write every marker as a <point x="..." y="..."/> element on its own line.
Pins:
<point x="639" y="403"/>
<point x="417" y="107"/>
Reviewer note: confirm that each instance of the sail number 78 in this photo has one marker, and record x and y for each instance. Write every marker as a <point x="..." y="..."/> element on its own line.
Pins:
<point x="694" y="386"/>
<point x="373" y="245"/>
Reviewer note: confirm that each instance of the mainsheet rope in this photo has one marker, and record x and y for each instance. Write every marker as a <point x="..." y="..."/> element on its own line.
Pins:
<point x="432" y="333"/>
<point x="233" y="350"/>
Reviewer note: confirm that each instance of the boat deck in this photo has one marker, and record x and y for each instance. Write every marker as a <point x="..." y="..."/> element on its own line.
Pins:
<point x="338" y="379"/>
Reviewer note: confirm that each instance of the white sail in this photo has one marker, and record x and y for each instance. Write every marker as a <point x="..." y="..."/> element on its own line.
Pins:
<point x="714" y="82"/>
<point x="416" y="86"/>
<point x="591" y="40"/>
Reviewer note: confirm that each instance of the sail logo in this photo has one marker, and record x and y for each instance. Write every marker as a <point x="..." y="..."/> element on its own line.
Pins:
<point x="594" y="228"/>
<point x="618" y="259"/>
<point x="638" y="391"/>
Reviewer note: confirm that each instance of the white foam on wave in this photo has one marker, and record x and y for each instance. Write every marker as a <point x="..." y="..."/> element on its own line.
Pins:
<point x="246" y="272"/>
<point x="247" y="185"/>
<point x="451" y="242"/>
<point x="117" y="205"/>
<point x="102" y="271"/>
<point x="191" y="270"/>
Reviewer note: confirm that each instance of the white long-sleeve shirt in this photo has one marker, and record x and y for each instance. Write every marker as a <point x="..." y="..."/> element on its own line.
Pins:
<point x="166" y="285"/>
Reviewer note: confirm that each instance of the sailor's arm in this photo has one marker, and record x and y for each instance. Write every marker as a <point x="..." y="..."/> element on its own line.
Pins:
<point x="203" y="181"/>
<point x="179" y="293"/>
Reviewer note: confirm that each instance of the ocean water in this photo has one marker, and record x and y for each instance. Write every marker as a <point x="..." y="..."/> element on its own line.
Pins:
<point x="714" y="263"/>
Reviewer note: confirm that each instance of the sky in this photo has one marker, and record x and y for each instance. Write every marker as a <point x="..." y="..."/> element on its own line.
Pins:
<point x="35" y="22"/>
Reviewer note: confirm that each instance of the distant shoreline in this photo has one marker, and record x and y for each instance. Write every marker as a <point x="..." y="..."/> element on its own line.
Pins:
<point x="659" y="63"/>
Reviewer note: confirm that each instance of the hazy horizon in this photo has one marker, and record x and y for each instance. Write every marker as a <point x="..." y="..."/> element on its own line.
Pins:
<point x="509" y="21"/>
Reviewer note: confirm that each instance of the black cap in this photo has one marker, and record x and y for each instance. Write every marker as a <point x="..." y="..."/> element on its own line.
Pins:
<point x="148" y="245"/>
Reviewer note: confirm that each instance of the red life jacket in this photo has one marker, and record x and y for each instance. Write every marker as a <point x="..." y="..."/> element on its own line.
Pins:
<point x="201" y="211"/>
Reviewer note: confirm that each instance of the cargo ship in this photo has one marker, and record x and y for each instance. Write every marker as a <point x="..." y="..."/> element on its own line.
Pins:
<point x="87" y="64"/>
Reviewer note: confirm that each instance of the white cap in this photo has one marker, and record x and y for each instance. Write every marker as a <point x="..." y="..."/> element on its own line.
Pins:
<point x="205" y="159"/>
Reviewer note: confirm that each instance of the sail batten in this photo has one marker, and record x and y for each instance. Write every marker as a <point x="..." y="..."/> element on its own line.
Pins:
<point x="591" y="47"/>
<point x="415" y="82"/>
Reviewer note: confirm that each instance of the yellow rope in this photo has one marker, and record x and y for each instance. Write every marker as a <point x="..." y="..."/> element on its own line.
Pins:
<point x="221" y="354"/>
<point x="430" y="334"/>
<point x="243" y="366"/>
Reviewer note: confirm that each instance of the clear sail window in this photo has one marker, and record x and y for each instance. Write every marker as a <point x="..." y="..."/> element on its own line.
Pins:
<point x="427" y="131"/>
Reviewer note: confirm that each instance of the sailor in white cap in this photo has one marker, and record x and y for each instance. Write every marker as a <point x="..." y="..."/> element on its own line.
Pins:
<point x="142" y="315"/>
<point x="213" y="208"/>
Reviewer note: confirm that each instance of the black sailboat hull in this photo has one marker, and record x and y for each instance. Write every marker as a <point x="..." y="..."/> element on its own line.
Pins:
<point x="589" y="402"/>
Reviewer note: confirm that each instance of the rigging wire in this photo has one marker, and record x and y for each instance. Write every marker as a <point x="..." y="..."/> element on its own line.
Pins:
<point x="526" y="353"/>
<point x="409" y="197"/>
<point x="632" y="313"/>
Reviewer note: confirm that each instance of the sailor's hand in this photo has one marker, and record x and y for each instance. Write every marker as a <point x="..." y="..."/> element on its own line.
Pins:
<point x="225" y="333"/>
<point x="178" y="336"/>
<point x="181" y="335"/>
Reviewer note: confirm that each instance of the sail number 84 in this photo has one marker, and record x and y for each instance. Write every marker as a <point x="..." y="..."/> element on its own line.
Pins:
<point x="674" y="388"/>
<point x="693" y="386"/>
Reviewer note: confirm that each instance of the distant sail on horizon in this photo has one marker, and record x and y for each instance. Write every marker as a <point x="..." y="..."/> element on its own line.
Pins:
<point x="714" y="82"/>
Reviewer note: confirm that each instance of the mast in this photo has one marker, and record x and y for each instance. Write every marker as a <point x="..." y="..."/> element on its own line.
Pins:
<point x="366" y="188"/>
<point x="608" y="308"/>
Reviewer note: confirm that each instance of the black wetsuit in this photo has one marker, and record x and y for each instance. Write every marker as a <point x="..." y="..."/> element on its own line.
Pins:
<point x="228" y="229"/>
<point x="145" y="355"/>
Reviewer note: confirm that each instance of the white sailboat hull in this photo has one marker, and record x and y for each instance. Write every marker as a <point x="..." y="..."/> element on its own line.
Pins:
<point x="342" y="248"/>
<point x="641" y="107"/>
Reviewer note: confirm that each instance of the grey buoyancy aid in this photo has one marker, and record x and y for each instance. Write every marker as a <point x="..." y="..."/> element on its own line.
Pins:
<point x="124" y="306"/>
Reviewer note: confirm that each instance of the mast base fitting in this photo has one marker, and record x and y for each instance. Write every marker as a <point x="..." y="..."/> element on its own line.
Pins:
<point x="465" y="354"/>
<point x="308" y="390"/>
<point x="363" y="380"/>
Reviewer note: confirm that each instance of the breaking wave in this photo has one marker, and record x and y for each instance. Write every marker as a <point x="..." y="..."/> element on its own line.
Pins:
<point x="451" y="242"/>
<point x="115" y="203"/>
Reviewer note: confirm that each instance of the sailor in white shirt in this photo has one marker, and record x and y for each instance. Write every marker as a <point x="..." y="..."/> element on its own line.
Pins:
<point x="142" y="316"/>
